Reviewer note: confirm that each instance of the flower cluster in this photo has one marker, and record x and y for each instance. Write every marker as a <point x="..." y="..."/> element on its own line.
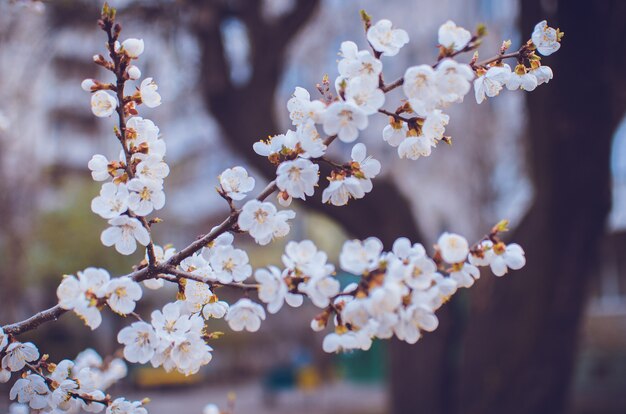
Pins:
<point x="134" y="183"/>
<point x="90" y="289"/>
<point x="398" y="292"/>
<point x="66" y="387"/>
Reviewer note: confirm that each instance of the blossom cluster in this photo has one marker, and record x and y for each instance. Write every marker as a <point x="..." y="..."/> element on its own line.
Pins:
<point x="66" y="387"/>
<point x="398" y="291"/>
<point x="133" y="185"/>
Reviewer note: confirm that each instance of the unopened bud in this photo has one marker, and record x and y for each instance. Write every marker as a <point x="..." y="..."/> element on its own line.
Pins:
<point x="134" y="72"/>
<point x="88" y="85"/>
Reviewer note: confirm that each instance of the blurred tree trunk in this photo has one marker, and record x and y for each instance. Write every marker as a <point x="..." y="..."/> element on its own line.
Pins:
<point x="520" y="345"/>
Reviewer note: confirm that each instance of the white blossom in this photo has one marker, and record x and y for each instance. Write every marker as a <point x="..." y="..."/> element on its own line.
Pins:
<point x="507" y="257"/>
<point x="133" y="47"/>
<point x="543" y="74"/>
<point x="245" y="314"/>
<point x="414" y="147"/>
<point x="272" y="288"/>
<point x="305" y="258"/>
<point x="112" y="201"/>
<point x="435" y="125"/>
<point x="122" y="406"/>
<point x="545" y="38"/>
<point x="320" y="289"/>
<point x="124" y="233"/>
<point x="230" y="264"/>
<point x="453" y="80"/>
<point x="358" y="63"/>
<point x="18" y="354"/>
<point x="341" y="189"/>
<point x="344" y="119"/>
<point x="103" y="104"/>
<point x="385" y="39"/>
<point x="122" y="293"/>
<point x="149" y="95"/>
<point x="491" y="83"/>
<point x="358" y="257"/>
<point x="217" y="309"/>
<point x="139" y="340"/>
<point x="395" y="133"/>
<point x="145" y="196"/>
<point x="464" y="274"/>
<point x="453" y="37"/>
<point x="80" y="293"/>
<point x="297" y="177"/>
<point x="454" y="248"/>
<point x="99" y="167"/>
<point x="301" y="108"/>
<point x="31" y="389"/>
<point x="4" y="339"/>
<point x="152" y="168"/>
<point x="521" y="79"/>
<point x="365" y="94"/>
<point x="133" y="72"/>
<point x="420" y="86"/>
<point x="263" y="221"/>
<point x="236" y="183"/>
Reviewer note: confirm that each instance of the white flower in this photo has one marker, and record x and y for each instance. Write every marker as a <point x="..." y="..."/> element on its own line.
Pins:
<point x="306" y="258"/>
<point x="320" y="289"/>
<point x="4" y="339"/>
<point x="122" y="293"/>
<point x="32" y="390"/>
<point x="230" y="264"/>
<point x="435" y="125"/>
<point x="122" y="406"/>
<point x="18" y="354"/>
<point x="272" y="288"/>
<point x="395" y="133"/>
<point x="310" y="140"/>
<point x="124" y="233"/>
<point x="454" y="248"/>
<point x="142" y="133"/>
<point x="491" y="83"/>
<point x="169" y="324"/>
<point x="367" y="166"/>
<point x="236" y="183"/>
<point x="453" y="80"/>
<point x="17" y="408"/>
<point x="341" y="189"/>
<point x="133" y="47"/>
<point x="99" y="167"/>
<point x="145" y="196"/>
<point x="520" y="79"/>
<point x="385" y="39"/>
<point x="152" y="168"/>
<point x="245" y="314"/>
<point x="103" y="104"/>
<point x="542" y="73"/>
<point x="334" y="342"/>
<point x="545" y="38"/>
<point x="112" y="201"/>
<point x="464" y="274"/>
<point x="211" y="409"/>
<point x="139" y="340"/>
<point x="358" y="63"/>
<point x="80" y="294"/>
<point x="297" y="177"/>
<point x="386" y="298"/>
<point x="301" y="108"/>
<point x="263" y="221"/>
<point x="507" y="257"/>
<point x="197" y="294"/>
<point x="358" y="257"/>
<point x="133" y="72"/>
<point x="414" y="147"/>
<point x="149" y="94"/>
<point x="190" y="354"/>
<point x="215" y="309"/>
<point x="87" y="85"/>
<point x="345" y="120"/>
<point x="273" y="145"/>
<point x="453" y="37"/>
<point x="365" y="94"/>
<point x="420" y="86"/>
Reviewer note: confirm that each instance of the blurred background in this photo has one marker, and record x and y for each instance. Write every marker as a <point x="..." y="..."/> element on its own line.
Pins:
<point x="548" y="339"/>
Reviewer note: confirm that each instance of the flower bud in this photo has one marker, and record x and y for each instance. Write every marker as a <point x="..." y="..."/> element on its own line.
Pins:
<point x="134" y="72"/>
<point x="87" y="85"/>
<point x="133" y="47"/>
